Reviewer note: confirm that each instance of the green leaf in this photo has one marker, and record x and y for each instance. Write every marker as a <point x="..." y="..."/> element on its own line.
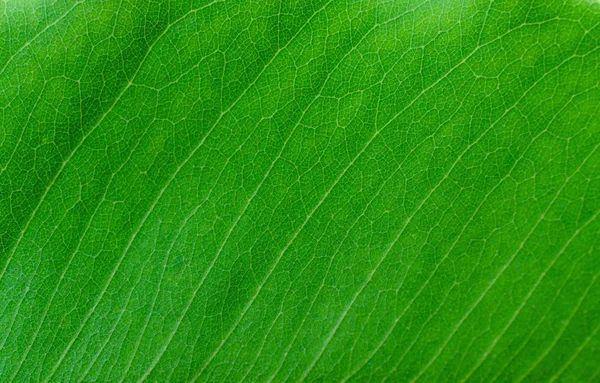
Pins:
<point x="326" y="190"/>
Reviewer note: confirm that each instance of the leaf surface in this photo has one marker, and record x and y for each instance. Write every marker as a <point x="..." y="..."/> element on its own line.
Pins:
<point x="327" y="190"/>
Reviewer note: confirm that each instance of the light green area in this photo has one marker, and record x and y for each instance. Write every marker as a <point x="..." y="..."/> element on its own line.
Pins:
<point x="322" y="190"/>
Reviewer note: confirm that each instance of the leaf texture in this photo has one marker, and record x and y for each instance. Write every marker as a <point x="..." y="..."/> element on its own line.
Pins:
<point x="326" y="190"/>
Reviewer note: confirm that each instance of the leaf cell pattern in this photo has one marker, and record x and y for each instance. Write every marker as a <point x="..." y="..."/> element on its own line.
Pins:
<point x="327" y="190"/>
